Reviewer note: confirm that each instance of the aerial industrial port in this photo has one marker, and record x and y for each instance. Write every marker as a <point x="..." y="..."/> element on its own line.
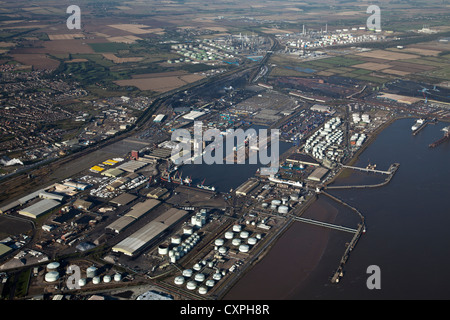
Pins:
<point x="105" y="195"/>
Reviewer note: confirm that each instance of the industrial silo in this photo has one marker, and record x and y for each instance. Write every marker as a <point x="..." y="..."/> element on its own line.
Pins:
<point x="229" y="235"/>
<point x="244" y="234"/>
<point x="222" y="250"/>
<point x="82" y="282"/>
<point x="191" y="285"/>
<point x="219" y="242"/>
<point x="236" y="242"/>
<point x="53" y="266"/>
<point x="91" y="272"/>
<point x="237" y="228"/>
<point x="217" y="276"/>
<point x="179" y="280"/>
<point x="187" y="273"/>
<point x="244" y="248"/>
<point x="176" y="239"/>
<point x="51" y="276"/>
<point x="283" y="209"/>
<point x="163" y="249"/>
<point x="199" y="277"/>
<point x="96" y="280"/>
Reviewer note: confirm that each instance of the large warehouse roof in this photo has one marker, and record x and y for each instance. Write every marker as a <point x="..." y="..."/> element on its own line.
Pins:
<point x="123" y="199"/>
<point x="39" y="208"/>
<point x="142" y="208"/>
<point x="135" y="213"/>
<point x="138" y="240"/>
<point x="132" y="166"/>
<point x="318" y="174"/>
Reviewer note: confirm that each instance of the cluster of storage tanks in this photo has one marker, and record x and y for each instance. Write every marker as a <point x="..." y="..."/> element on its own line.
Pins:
<point x="178" y="248"/>
<point x="280" y="206"/>
<point x="196" y="279"/>
<point x="357" y="139"/>
<point x="53" y="274"/>
<point x="204" y="52"/>
<point x="239" y="239"/>
<point x="320" y="143"/>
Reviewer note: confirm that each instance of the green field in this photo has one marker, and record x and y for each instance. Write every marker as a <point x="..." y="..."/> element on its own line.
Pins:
<point x="108" y="47"/>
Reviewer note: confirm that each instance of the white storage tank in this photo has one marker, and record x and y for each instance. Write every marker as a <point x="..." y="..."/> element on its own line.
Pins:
<point x="217" y="276"/>
<point x="237" y="228"/>
<point x="244" y="248"/>
<point x="244" y="234"/>
<point x="188" y="230"/>
<point x="199" y="277"/>
<point x="176" y="239"/>
<point x="276" y="202"/>
<point x="229" y="235"/>
<point x="96" y="280"/>
<point x="251" y="241"/>
<point x="210" y="283"/>
<point x="91" y="272"/>
<point x="82" y="282"/>
<point x="197" y="267"/>
<point x="236" y="242"/>
<point x="187" y="273"/>
<point x="191" y="285"/>
<point x="52" y="266"/>
<point x="222" y="250"/>
<point x="107" y="279"/>
<point x="163" y="250"/>
<point x="51" y="276"/>
<point x="219" y="242"/>
<point x="283" y="209"/>
<point x="117" y="277"/>
<point x="179" y="280"/>
<point x="202" y="290"/>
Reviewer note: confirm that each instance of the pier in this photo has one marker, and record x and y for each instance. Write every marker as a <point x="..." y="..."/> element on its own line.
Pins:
<point x="367" y="169"/>
<point x="361" y="229"/>
<point x="325" y="224"/>
<point x="392" y="170"/>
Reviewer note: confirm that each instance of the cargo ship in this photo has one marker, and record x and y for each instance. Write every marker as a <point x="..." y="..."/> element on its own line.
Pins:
<point x="419" y="123"/>
<point x="202" y="186"/>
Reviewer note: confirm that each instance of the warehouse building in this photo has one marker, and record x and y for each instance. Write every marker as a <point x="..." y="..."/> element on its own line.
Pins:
<point x="132" y="166"/>
<point x="157" y="193"/>
<point x="194" y="115"/>
<point x="159" y="118"/>
<point x="123" y="199"/>
<point x="39" y="208"/>
<point x="136" y="212"/>
<point x="115" y="172"/>
<point x="144" y="236"/>
<point x="302" y="159"/>
<point x="159" y="153"/>
<point x="53" y="196"/>
<point x="82" y="204"/>
<point x="246" y="187"/>
<point x="318" y="174"/>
